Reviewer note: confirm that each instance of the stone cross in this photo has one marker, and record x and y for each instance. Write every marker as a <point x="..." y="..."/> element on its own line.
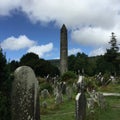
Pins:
<point x="25" y="95"/>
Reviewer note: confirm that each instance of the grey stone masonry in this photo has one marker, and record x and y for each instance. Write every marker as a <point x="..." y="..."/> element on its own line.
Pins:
<point x="63" y="50"/>
<point x="25" y="95"/>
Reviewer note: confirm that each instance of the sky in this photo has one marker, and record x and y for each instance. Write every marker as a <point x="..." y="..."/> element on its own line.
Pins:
<point x="34" y="26"/>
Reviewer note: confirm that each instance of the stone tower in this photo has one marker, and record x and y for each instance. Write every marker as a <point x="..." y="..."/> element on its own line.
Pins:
<point x="63" y="50"/>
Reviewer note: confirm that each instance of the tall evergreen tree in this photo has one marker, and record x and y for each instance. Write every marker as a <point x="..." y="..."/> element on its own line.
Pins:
<point x="112" y="53"/>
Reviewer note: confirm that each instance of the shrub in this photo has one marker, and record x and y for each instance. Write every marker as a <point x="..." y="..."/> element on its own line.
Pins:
<point x="68" y="76"/>
<point x="47" y="86"/>
<point x="90" y="83"/>
<point x="106" y="78"/>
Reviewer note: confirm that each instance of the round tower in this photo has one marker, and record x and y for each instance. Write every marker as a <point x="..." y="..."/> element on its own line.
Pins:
<point x="63" y="50"/>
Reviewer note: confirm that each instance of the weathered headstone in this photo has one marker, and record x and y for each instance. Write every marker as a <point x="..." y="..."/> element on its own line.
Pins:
<point x="81" y="100"/>
<point x="102" y="102"/>
<point x="80" y="106"/>
<point x="74" y="87"/>
<point x="59" y="98"/>
<point x="64" y="87"/>
<point x="55" y="91"/>
<point x="25" y="95"/>
<point x="45" y="93"/>
<point x="80" y="84"/>
<point x="44" y="104"/>
<point x="90" y="103"/>
<point x="69" y="92"/>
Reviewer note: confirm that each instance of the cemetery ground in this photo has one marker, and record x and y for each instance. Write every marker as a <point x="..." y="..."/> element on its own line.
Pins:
<point x="66" y="110"/>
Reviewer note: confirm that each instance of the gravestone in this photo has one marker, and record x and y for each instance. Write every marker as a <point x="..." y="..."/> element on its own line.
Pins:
<point x="59" y="98"/>
<point x="55" y="91"/>
<point x="80" y="100"/>
<point x="45" y="93"/>
<point x="102" y="102"/>
<point x="64" y="87"/>
<point x="44" y="104"/>
<point x="25" y="95"/>
<point x="69" y="93"/>
<point x="80" y="84"/>
<point x="81" y="106"/>
<point x="74" y="86"/>
<point x="90" y="103"/>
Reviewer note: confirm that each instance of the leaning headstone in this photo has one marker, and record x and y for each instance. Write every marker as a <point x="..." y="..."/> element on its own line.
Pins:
<point x="25" y="95"/>
<point x="80" y="106"/>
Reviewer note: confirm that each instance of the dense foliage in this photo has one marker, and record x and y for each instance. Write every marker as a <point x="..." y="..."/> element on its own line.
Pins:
<point x="5" y="88"/>
<point x="107" y="63"/>
<point x="81" y="63"/>
<point x="13" y="65"/>
<point x="41" y="67"/>
<point x="112" y="54"/>
<point x="69" y="77"/>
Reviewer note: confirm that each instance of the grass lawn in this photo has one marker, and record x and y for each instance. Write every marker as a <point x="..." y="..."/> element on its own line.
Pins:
<point x="113" y="110"/>
<point x="114" y="88"/>
<point x="66" y="110"/>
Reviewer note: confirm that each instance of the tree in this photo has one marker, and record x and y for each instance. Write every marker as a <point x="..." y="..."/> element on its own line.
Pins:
<point x="41" y="67"/>
<point x="29" y="59"/>
<point x="5" y="88"/>
<point x="71" y="62"/>
<point x="112" y="53"/>
<point x="81" y="62"/>
<point x="13" y="65"/>
<point x="103" y="66"/>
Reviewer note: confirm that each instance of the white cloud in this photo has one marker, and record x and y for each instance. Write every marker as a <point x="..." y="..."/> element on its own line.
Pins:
<point x="13" y="43"/>
<point x="6" y="6"/>
<point x="99" y="51"/>
<point x="95" y="37"/>
<point x="91" y="21"/>
<point x="74" y="51"/>
<point x="74" y="13"/>
<point x="23" y="42"/>
<point x="41" y="50"/>
<point x="89" y="36"/>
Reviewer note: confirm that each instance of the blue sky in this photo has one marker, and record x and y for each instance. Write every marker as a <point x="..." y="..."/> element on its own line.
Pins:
<point x="34" y="26"/>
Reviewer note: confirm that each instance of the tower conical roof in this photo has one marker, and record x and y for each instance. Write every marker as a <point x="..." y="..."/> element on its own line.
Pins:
<point x="63" y="27"/>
